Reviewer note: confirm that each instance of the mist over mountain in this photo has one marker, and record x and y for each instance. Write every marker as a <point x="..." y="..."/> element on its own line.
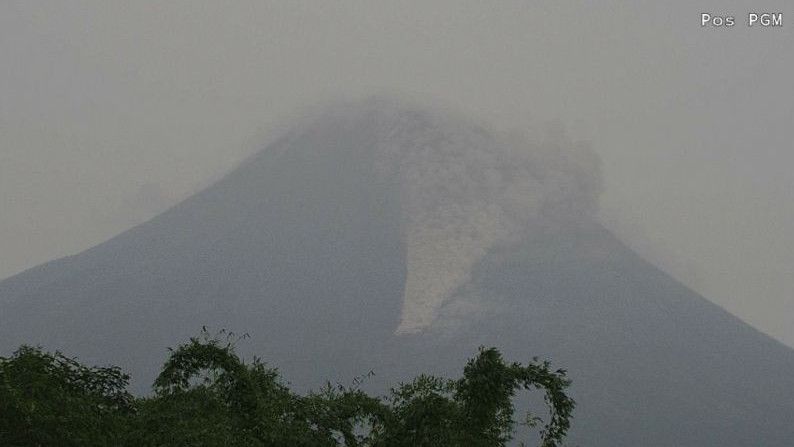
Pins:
<point x="377" y="236"/>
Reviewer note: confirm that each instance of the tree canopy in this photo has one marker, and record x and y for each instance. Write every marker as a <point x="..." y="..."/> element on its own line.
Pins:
<point x="206" y="395"/>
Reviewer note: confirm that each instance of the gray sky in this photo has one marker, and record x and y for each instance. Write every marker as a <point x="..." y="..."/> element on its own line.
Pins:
<point x="111" y="111"/>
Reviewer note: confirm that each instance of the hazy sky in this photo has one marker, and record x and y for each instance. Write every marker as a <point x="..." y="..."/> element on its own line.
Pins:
<point x="111" y="111"/>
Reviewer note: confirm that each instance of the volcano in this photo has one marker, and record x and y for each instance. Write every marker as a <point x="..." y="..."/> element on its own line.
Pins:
<point x="378" y="236"/>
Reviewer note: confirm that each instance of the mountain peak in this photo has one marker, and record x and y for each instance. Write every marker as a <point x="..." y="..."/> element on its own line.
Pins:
<point x="463" y="188"/>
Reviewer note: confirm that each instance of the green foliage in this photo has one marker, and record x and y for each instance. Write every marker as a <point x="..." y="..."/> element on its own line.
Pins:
<point x="206" y="395"/>
<point x="476" y="410"/>
<point x="49" y="399"/>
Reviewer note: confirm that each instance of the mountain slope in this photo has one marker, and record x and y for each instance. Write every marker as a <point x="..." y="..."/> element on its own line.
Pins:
<point x="376" y="236"/>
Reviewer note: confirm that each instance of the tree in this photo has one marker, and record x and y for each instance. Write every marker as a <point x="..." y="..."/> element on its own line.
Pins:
<point x="476" y="410"/>
<point x="50" y="399"/>
<point x="206" y="395"/>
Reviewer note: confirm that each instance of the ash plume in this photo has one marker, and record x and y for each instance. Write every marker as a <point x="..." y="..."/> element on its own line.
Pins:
<point x="465" y="189"/>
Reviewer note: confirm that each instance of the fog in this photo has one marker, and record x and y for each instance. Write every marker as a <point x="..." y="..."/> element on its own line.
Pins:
<point x="112" y="111"/>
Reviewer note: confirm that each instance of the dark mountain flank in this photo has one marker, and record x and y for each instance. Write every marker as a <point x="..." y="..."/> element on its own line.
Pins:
<point x="375" y="236"/>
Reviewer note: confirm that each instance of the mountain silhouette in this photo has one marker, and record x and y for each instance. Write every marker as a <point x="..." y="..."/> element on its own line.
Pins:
<point x="378" y="236"/>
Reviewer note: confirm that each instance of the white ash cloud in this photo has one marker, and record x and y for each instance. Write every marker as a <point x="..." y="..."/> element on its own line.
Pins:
<point x="464" y="189"/>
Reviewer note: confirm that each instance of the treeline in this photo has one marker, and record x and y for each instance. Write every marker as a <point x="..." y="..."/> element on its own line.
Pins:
<point x="206" y="395"/>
